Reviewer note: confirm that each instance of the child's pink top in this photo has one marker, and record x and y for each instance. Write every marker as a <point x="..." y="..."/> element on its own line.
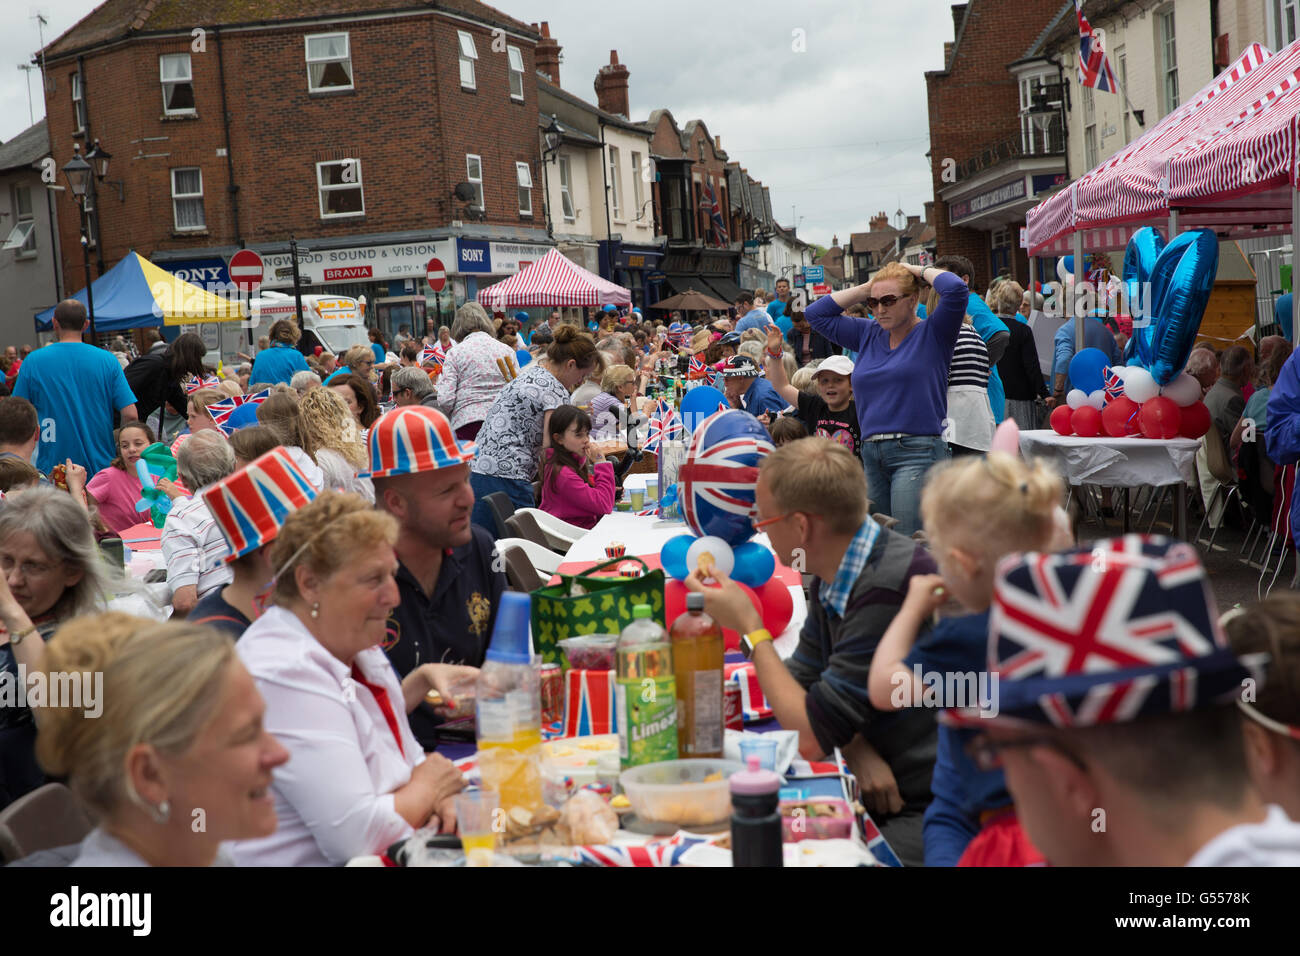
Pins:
<point x="116" y="492"/>
<point x="575" y="501"/>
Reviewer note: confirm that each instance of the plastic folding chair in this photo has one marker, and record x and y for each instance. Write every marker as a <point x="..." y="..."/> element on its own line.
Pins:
<point x="521" y="524"/>
<point x="1216" y="454"/>
<point x="50" y="816"/>
<point x="520" y="573"/>
<point x="502" y="508"/>
<point x="560" y="535"/>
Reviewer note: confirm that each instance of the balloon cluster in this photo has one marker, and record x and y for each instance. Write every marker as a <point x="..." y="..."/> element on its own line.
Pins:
<point x="155" y="462"/>
<point x="1119" y="401"/>
<point x="716" y="490"/>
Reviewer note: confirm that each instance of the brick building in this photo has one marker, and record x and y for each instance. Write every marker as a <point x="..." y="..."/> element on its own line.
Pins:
<point x="988" y="167"/>
<point x="377" y="133"/>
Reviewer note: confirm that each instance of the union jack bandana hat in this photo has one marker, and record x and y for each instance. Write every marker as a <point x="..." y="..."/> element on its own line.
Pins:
<point x="251" y="505"/>
<point x="413" y="439"/>
<point x="1106" y="634"/>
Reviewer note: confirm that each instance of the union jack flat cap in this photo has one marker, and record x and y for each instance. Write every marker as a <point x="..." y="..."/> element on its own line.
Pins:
<point x="1123" y="629"/>
<point x="413" y="439"/>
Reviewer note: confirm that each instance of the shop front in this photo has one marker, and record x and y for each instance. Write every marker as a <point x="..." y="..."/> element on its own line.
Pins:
<point x="630" y="266"/>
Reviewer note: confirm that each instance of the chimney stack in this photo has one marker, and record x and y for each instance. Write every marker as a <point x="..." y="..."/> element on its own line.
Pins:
<point x="835" y="241"/>
<point x="929" y="211"/>
<point x="879" y="221"/>
<point x="611" y="87"/>
<point x="913" y="222"/>
<point x="548" y="54"/>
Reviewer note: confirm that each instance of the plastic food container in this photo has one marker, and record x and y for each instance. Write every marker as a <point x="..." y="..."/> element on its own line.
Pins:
<point x="816" y="818"/>
<point x="591" y="652"/>
<point x="688" y="793"/>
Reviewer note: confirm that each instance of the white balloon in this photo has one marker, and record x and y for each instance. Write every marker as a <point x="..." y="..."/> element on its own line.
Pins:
<point x="1139" y="386"/>
<point x="724" y="559"/>
<point x="1077" y="398"/>
<point x="1184" y="390"/>
<point x="1097" y="399"/>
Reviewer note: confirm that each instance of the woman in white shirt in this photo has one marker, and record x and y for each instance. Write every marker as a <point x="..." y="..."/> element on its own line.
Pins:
<point x="471" y="379"/>
<point x="170" y="755"/>
<point x="330" y="435"/>
<point x="357" y="780"/>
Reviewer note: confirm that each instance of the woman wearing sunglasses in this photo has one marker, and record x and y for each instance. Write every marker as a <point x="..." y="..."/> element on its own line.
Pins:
<point x="900" y="378"/>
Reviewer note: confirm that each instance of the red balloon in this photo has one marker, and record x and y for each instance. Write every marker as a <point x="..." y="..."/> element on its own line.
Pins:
<point x="1086" y="421"/>
<point x="1060" y="420"/>
<point x="675" y="603"/>
<point x="1160" y="417"/>
<point x="778" y="605"/>
<point x="1194" y="420"/>
<point x="1120" y="417"/>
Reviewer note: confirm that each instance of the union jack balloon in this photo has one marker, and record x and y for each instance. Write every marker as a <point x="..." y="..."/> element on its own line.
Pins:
<point x="719" y="475"/>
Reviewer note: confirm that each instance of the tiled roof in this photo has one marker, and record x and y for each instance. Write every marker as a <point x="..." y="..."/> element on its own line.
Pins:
<point x="115" y="19"/>
<point x="546" y="88"/>
<point x="26" y="148"/>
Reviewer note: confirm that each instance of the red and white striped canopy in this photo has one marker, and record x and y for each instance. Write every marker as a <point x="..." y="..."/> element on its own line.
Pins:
<point x="553" y="281"/>
<point x="1223" y="160"/>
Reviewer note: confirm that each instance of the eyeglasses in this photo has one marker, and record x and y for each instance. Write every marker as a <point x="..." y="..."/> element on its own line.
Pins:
<point x="760" y="525"/>
<point x="27" y="569"/>
<point x="987" y="752"/>
<point x="886" y="300"/>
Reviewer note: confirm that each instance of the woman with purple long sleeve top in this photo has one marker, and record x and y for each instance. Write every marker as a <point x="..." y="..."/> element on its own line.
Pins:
<point x="900" y="379"/>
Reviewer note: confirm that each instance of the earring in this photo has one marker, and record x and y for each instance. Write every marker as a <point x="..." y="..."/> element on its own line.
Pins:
<point x="315" y="610"/>
<point x="161" y="812"/>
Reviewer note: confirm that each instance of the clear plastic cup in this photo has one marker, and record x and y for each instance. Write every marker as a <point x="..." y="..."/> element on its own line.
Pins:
<point x="638" y="498"/>
<point x="760" y="747"/>
<point x="479" y="820"/>
<point x="652" y="489"/>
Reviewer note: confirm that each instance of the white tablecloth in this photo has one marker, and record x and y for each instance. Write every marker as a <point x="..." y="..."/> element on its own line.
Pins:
<point x="648" y="535"/>
<point x="1114" y="462"/>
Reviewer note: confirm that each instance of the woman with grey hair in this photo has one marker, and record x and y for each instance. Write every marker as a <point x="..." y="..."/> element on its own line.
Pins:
<point x="471" y="377"/>
<point x="302" y="381"/>
<point x="411" y="387"/>
<point x="192" y="544"/>
<point x="50" y="572"/>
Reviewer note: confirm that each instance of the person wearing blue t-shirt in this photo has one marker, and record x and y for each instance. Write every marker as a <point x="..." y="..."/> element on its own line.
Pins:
<point x="750" y="317"/>
<point x="279" y="362"/>
<point x="377" y="346"/>
<point x="743" y="383"/>
<point x="75" y="388"/>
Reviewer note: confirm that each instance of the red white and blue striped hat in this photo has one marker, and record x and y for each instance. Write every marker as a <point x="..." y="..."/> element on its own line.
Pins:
<point x="251" y="505"/>
<point x="413" y="439"/>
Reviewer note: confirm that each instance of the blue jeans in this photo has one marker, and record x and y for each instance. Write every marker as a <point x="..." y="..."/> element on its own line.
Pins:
<point x="519" y="491"/>
<point x="896" y="470"/>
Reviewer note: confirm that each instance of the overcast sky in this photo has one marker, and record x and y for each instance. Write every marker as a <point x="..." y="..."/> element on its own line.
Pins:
<point x="838" y="131"/>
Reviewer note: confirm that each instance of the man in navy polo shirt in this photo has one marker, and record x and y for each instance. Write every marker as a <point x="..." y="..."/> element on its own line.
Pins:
<point x="744" y="383"/>
<point x="445" y="576"/>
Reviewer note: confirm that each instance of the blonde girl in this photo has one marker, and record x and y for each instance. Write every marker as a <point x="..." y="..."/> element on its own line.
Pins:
<point x="330" y="437"/>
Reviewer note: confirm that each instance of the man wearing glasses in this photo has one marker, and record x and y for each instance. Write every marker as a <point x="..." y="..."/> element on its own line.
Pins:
<point x="812" y="503"/>
<point x="411" y="386"/>
<point x="1118" y="722"/>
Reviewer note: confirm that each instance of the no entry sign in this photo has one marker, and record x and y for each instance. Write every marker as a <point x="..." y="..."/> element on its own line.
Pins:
<point x="246" y="269"/>
<point x="436" y="275"/>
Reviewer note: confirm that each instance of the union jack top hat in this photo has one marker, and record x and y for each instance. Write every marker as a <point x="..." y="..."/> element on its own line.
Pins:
<point x="1124" y="629"/>
<point x="413" y="439"/>
<point x="251" y="505"/>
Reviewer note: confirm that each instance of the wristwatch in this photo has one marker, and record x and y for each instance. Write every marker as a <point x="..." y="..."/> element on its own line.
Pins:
<point x="751" y="640"/>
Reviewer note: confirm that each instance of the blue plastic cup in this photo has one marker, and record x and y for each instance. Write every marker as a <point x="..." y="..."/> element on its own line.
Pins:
<point x="761" y="747"/>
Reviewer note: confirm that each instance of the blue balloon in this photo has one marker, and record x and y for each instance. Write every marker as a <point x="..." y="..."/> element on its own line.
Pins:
<point x="1180" y="287"/>
<point x="755" y="564"/>
<point x="699" y="403"/>
<point x="1139" y="262"/>
<point x="524" y="357"/>
<point x="1087" y="369"/>
<point x="673" y="556"/>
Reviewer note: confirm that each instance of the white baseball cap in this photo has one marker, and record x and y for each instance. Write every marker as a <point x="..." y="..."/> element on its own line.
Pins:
<point x="838" y="364"/>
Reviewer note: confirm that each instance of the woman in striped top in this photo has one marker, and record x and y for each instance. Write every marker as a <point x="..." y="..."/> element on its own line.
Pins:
<point x="970" y="417"/>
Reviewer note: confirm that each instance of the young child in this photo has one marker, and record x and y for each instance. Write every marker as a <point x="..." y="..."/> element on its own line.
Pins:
<point x="976" y="511"/>
<point x="786" y="429"/>
<point x="577" y="482"/>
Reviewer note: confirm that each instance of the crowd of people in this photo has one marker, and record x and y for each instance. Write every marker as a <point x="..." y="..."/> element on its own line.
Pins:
<point x="329" y="556"/>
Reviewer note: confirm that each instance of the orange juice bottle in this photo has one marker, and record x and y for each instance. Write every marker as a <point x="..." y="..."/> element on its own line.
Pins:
<point x="509" y="710"/>
<point x="697" y="666"/>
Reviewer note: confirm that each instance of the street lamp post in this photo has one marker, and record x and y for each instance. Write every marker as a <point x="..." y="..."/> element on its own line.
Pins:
<point x="79" y="175"/>
<point x="552" y="135"/>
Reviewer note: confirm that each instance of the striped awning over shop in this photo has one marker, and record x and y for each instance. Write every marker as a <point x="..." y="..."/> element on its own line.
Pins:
<point x="553" y="281"/>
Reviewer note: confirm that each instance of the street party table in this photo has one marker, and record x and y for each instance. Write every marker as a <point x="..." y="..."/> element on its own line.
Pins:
<point x="1120" y="463"/>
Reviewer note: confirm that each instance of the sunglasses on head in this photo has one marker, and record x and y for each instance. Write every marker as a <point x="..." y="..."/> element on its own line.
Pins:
<point x="886" y="300"/>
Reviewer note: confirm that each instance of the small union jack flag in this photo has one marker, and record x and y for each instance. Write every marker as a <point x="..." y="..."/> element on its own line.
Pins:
<point x="664" y="426"/>
<point x="1094" y="68"/>
<point x="222" y="410"/>
<point x="195" y="383"/>
<point x="433" y="355"/>
<point x="697" y="369"/>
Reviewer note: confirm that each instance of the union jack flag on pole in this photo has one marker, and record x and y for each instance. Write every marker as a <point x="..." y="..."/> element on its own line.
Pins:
<point x="715" y="214"/>
<point x="664" y="426"/>
<point x="222" y="410"/>
<point x="433" y="355"/>
<point x="1094" y="68"/>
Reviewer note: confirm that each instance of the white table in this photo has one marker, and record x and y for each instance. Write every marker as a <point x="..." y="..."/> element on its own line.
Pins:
<point x="644" y="535"/>
<point x="1120" y="463"/>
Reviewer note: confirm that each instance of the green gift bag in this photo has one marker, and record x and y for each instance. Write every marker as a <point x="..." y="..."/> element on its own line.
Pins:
<point x="606" y="608"/>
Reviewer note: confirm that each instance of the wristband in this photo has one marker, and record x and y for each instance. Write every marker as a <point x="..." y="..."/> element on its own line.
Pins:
<point x="749" y="642"/>
<point x="775" y="355"/>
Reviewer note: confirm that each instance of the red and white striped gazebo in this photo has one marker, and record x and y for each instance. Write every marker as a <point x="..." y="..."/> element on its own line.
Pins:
<point x="553" y="281"/>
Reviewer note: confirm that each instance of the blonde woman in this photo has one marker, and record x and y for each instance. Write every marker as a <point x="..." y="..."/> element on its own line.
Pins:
<point x="618" y="385"/>
<point x="179" y="740"/>
<point x="330" y="436"/>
